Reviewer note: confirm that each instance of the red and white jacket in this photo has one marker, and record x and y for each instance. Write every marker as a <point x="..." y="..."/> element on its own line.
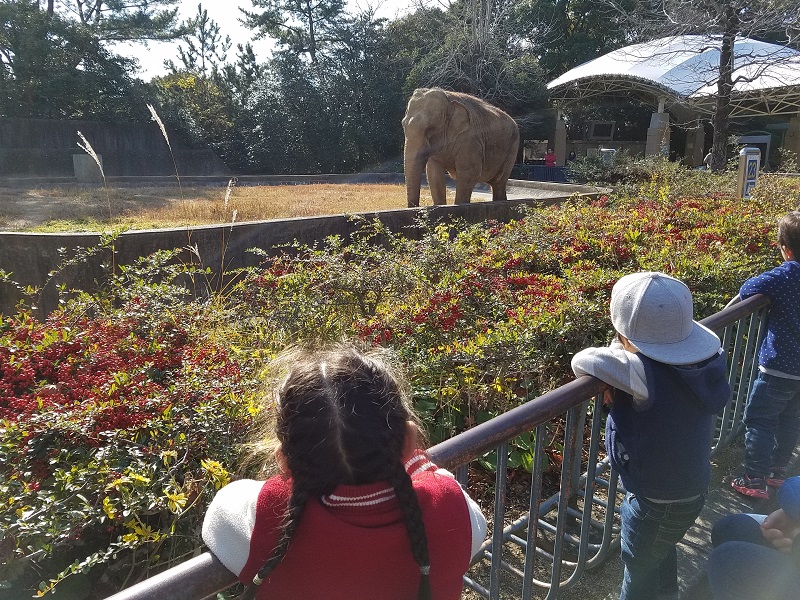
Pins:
<point x="349" y="545"/>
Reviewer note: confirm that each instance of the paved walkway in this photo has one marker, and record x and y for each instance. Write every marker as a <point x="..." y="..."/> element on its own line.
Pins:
<point x="538" y="190"/>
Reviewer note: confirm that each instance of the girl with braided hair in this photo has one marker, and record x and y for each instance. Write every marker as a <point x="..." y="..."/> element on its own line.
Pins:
<point x="358" y="511"/>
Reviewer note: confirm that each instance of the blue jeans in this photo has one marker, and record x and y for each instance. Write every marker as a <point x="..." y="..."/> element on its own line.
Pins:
<point x="772" y="422"/>
<point x="748" y="571"/>
<point x="738" y="528"/>
<point x="650" y="532"/>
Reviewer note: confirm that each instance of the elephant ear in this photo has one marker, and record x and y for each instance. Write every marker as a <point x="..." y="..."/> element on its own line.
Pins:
<point x="459" y="120"/>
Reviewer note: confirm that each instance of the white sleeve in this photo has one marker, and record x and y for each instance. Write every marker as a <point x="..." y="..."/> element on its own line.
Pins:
<point x="617" y="367"/>
<point x="229" y="521"/>
<point x="477" y="519"/>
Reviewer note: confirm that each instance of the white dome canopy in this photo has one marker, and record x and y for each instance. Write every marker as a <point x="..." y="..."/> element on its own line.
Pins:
<point x="684" y="70"/>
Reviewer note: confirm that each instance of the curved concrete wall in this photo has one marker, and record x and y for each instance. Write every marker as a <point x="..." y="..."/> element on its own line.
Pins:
<point x="30" y="257"/>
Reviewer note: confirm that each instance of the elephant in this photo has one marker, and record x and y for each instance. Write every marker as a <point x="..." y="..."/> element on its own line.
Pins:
<point x="461" y="134"/>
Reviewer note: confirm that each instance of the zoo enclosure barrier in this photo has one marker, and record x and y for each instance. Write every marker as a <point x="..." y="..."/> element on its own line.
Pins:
<point x="547" y="544"/>
<point x="539" y="173"/>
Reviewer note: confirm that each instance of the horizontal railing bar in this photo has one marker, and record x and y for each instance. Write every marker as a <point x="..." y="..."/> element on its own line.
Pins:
<point x="512" y="570"/>
<point x="475" y="442"/>
<point x="579" y="513"/>
<point x="574" y="541"/>
<point x="719" y="321"/>
<point x="538" y="583"/>
<point x="568" y="537"/>
<point x="204" y="576"/>
<point x="509" y="568"/>
<point x="524" y="544"/>
<point x="201" y="577"/>
<point x="474" y="585"/>
<point x="596" y="500"/>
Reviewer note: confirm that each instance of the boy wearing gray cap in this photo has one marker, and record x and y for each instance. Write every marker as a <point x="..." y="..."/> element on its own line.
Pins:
<point x="670" y="379"/>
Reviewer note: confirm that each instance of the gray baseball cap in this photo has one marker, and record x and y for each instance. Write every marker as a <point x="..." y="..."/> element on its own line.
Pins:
<point x="656" y="313"/>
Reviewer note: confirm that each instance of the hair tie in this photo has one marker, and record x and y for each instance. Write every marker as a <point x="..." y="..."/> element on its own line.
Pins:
<point x="257" y="580"/>
<point x="425" y="569"/>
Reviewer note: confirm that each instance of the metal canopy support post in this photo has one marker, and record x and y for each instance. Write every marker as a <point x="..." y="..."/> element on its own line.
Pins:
<point x="792" y="139"/>
<point x="695" y="144"/>
<point x="560" y="141"/>
<point x="658" y="134"/>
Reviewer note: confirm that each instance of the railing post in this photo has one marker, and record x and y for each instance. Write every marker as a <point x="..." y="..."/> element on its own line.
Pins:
<point x="533" y="512"/>
<point x="500" y="480"/>
<point x="204" y="576"/>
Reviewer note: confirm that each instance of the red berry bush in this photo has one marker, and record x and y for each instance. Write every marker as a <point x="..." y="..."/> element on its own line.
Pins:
<point x="122" y="412"/>
<point x="115" y="431"/>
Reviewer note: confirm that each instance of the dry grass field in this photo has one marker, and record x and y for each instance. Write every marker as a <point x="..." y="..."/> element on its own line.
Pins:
<point x="85" y="208"/>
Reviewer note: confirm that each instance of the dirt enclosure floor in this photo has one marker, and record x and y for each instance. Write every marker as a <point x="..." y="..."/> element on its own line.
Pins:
<point x="81" y="208"/>
<point x="74" y="207"/>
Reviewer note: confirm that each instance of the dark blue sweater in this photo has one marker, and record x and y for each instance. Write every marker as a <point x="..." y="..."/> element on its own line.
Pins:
<point x="780" y="350"/>
<point x="662" y="452"/>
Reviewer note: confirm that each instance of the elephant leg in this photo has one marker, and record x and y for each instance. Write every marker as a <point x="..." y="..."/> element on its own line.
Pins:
<point x="499" y="184"/>
<point x="499" y="191"/>
<point x="435" y="172"/>
<point x="464" y="190"/>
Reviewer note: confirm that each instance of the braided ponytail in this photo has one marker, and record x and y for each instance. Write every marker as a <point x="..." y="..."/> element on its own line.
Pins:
<point x="342" y="420"/>
<point x="297" y="503"/>
<point x="412" y="515"/>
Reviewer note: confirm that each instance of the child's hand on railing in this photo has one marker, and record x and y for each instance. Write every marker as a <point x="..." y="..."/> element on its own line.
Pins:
<point x="780" y="529"/>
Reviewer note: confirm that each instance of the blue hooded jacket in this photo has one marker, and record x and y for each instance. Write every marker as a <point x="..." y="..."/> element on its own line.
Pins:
<point x="662" y="451"/>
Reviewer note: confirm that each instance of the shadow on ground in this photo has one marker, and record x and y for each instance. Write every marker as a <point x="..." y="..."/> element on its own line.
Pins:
<point x="602" y="583"/>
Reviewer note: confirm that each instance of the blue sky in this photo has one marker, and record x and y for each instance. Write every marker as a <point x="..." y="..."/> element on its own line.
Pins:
<point x="226" y="13"/>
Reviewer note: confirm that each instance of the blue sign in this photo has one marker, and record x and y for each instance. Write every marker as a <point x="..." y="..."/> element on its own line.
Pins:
<point x="749" y="162"/>
<point x="752" y="168"/>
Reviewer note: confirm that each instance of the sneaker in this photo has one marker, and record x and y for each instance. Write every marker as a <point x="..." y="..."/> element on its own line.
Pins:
<point x="777" y="477"/>
<point x="755" y="487"/>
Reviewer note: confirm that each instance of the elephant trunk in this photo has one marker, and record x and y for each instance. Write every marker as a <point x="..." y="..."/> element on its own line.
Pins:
<point x="413" y="165"/>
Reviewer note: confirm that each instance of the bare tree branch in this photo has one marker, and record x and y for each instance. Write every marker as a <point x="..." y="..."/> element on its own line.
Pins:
<point x="720" y="25"/>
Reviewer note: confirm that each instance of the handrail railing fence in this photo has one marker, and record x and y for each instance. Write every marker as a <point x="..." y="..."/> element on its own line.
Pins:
<point x="548" y="544"/>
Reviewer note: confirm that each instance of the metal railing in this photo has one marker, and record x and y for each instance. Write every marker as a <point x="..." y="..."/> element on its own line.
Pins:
<point x="539" y="173"/>
<point x="564" y="527"/>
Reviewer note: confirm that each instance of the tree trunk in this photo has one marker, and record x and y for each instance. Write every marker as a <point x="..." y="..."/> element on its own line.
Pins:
<point x="312" y="36"/>
<point x="50" y="7"/>
<point x="722" y="108"/>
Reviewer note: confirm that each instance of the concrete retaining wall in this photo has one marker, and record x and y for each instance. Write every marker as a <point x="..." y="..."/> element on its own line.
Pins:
<point x="222" y="180"/>
<point x="31" y="256"/>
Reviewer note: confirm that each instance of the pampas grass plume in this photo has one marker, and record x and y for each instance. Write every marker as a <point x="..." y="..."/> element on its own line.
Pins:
<point x="87" y="147"/>
<point x="154" y="116"/>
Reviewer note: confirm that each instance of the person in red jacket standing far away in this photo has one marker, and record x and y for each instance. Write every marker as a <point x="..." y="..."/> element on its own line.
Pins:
<point x="549" y="158"/>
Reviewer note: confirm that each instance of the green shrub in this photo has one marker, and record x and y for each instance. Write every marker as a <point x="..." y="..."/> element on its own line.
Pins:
<point x="121" y="412"/>
<point x="651" y="177"/>
<point x="485" y="315"/>
<point x="116" y="429"/>
<point x="787" y="161"/>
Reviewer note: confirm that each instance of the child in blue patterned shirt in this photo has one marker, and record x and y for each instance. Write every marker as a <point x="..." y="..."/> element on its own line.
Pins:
<point x="772" y="414"/>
